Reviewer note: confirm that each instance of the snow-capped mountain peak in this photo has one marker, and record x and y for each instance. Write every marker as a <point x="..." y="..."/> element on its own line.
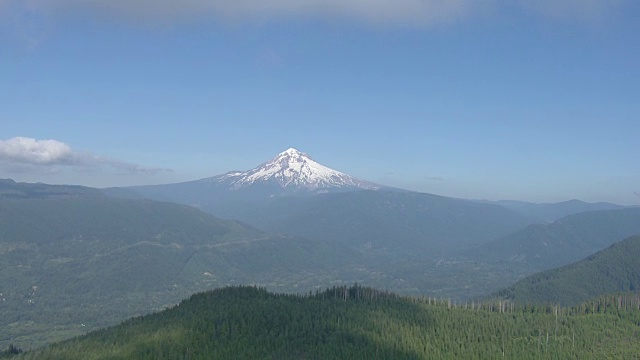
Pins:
<point x="293" y="170"/>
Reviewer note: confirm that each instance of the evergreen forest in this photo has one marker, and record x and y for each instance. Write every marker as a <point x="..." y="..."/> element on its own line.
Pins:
<point x="615" y="269"/>
<point x="361" y="323"/>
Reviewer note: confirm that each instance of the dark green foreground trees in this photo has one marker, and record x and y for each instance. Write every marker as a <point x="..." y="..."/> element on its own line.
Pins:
<point x="361" y="323"/>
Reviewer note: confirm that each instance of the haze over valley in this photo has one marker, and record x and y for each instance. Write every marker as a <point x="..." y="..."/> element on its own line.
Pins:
<point x="80" y="258"/>
<point x="415" y="179"/>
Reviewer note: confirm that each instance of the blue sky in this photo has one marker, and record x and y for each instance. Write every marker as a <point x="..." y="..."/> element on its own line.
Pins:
<point x="485" y="99"/>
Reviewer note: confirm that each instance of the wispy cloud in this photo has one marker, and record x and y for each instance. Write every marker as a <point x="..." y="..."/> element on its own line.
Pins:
<point x="24" y="154"/>
<point x="575" y="9"/>
<point x="416" y="11"/>
<point x="411" y="12"/>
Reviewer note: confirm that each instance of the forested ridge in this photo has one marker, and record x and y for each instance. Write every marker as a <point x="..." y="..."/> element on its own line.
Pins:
<point x="361" y="323"/>
<point x="615" y="269"/>
<point x="70" y="264"/>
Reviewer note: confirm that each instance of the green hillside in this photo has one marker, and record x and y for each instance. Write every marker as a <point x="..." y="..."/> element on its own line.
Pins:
<point x="360" y="323"/>
<point x="614" y="270"/>
<point x="73" y="260"/>
<point x="71" y="264"/>
<point x="540" y="247"/>
<point x="497" y="265"/>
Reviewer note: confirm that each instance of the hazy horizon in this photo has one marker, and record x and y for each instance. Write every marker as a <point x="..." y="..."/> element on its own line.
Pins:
<point x="527" y="100"/>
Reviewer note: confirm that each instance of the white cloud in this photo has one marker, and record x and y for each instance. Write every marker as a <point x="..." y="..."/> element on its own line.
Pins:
<point x="25" y="154"/>
<point x="32" y="151"/>
<point x="377" y="11"/>
<point x="393" y="12"/>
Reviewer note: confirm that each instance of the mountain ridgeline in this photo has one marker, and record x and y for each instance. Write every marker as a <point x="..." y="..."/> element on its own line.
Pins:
<point x="360" y="323"/>
<point x="411" y="242"/>
<point x="613" y="270"/>
<point x="228" y="195"/>
<point x="10" y="189"/>
<point x="385" y="221"/>
<point x="496" y="265"/>
<point x="75" y="258"/>
<point x="294" y="194"/>
<point x="97" y="260"/>
<point x="572" y="238"/>
<point x="550" y="212"/>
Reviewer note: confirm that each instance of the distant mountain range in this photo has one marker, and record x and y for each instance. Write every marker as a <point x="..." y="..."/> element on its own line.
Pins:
<point x="495" y="265"/>
<point x="294" y="174"/>
<point x="610" y="271"/>
<point x="294" y="194"/>
<point x="550" y="212"/>
<point x="408" y="232"/>
<point x="574" y="237"/>
<point x="391" y="222"/>
<point x="10" y="189"/>
<point x="290" y="173"/>
<point x="71" y="254"/>
<point x="97" y="260"/>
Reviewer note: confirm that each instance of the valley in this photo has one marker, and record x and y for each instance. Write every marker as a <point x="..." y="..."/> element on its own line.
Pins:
<point x="76" y="259"/>
<point x="311" y="180"/>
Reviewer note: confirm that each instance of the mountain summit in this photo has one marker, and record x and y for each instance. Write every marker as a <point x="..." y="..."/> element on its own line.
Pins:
<point x="242" y="195"/>
<point x="293" y="171"/>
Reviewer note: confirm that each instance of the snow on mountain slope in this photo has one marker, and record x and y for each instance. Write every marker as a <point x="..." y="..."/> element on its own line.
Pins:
<point x="294" y="171"/>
